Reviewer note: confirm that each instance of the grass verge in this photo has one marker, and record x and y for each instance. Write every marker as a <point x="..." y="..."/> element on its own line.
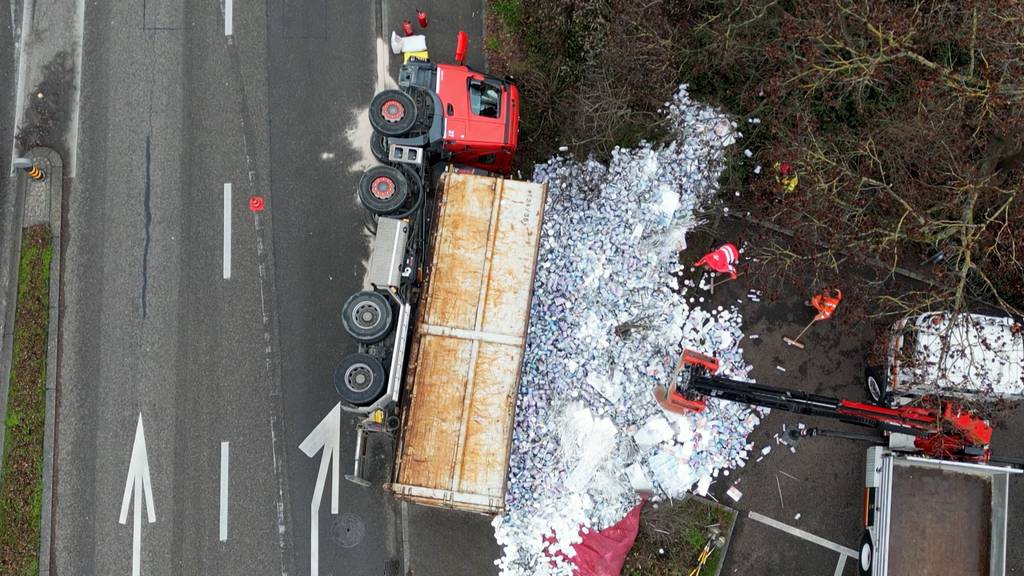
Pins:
<point x="672" y="536"/>
<point x="21" y="489"/>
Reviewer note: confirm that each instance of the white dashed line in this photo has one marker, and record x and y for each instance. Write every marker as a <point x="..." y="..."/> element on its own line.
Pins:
<point x="224" y="454"/>
<point x="229" y="14"/>
<point x="227" y="230"/>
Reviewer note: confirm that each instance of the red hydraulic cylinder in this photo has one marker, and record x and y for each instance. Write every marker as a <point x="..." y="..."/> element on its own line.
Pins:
<point x="461" y="45"/>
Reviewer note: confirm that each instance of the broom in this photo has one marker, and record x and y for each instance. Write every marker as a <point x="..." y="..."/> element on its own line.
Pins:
<point x="796" y="341"/>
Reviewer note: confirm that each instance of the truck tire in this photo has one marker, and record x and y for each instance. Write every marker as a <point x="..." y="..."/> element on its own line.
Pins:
<point x="379" y="147"/>
<point x="367" y="317"/>
<point x="392" y="113"/>
<point x="866" y="555"/>
<point x="874" y="383"/>
<point x="359" y="379"/>
<point x="383" y="189"/>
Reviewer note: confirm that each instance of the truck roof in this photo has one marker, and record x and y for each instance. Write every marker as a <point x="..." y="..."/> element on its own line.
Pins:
<point x="467" y="345"/>
<point x="969" y="352"/>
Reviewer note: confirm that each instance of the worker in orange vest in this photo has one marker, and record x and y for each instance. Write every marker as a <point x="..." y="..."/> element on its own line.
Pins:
<point x="721" y="260"/>
<point x="826" y="302"/>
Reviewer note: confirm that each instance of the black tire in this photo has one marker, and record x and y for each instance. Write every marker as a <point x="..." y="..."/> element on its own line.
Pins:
<point x="379" y="147"/>
<point x="866" y="558"/>
<point x="367" y="317"/>
<point x="383" y="189"/>
<point x="359" y="379"/>
<point x="392" y="113"/>
<point x="874" y="383"/>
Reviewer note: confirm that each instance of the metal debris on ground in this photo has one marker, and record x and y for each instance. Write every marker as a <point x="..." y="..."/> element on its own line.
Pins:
<point x="588" y="431"/>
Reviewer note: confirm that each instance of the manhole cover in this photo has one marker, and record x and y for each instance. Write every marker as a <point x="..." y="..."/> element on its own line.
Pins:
<point x="349" y="530"/>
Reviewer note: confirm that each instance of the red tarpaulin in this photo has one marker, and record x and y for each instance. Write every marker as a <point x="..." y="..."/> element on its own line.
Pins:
<point x="603" y="553"/>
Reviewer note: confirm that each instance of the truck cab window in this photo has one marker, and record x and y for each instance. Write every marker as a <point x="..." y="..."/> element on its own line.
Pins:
<point x="485" y="99"/>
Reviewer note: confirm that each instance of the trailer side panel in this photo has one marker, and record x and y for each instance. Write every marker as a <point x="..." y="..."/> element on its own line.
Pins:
<point x="467" y="346"/>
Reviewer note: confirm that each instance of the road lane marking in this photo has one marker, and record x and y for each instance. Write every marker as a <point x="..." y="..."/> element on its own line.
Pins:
<point x="406" y="569"/>
<point x="326" y="437"/>
<point x="229" y="14"/>
<point x="840" y="565"/>
<point x="19" y="53"/>
<point x="224" y="451"/>
<point x="227" y="230"/>
<point x="138" y="482"/>
<point x="802" y="534"/>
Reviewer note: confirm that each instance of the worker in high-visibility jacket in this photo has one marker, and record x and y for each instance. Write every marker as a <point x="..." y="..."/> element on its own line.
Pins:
<point x="722" y="260"/>
<point x="826" y="302"/>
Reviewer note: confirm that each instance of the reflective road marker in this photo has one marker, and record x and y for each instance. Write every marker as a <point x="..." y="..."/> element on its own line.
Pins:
<point x="224" y="450"/>
<point x="227" y="230"/>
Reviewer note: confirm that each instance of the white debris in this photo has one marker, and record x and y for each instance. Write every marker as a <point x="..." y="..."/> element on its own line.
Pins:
<point x="734" y="493"/>
<point x="608" y="325"/>
<point x="655" y="431"/>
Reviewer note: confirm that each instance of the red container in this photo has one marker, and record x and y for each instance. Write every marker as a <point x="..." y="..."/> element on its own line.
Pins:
<point x="421" y="17"/>
<point x="407" y="28"/>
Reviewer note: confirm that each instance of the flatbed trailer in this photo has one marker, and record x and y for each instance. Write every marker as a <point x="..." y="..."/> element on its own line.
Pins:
<point x="467" y="342"/>
<point x="930" y="517"/>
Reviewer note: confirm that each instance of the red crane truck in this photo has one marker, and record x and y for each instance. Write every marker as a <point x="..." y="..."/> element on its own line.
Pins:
<point x="935" y="500"/>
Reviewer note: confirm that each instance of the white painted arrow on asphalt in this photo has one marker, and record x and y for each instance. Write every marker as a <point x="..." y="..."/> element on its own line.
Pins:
<point x="138" y="482"/>
<point x="326" y="436"/>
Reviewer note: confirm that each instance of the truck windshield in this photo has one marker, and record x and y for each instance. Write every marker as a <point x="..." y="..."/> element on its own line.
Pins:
<point x="485" y="98"/>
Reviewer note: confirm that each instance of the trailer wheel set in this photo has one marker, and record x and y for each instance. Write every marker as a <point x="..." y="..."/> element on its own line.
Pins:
<point x="395" y="191"/>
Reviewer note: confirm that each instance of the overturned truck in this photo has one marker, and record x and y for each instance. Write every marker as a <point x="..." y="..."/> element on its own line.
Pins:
<point x="442" y="320"/>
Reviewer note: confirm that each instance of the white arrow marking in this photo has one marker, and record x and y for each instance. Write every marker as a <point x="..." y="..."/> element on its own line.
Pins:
<point x="326" y="436"/>
<point x="138" y="482"/>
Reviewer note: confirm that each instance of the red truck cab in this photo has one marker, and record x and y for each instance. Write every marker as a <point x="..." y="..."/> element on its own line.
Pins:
<point x="452" y="113"/>
<point x="481" y="118"/>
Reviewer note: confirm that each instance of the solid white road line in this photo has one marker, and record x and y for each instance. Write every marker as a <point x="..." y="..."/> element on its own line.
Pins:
<point x="840" y="565"/>
<point x="405" y="539"/>
<point x="224" y="451"/>
<point x="227" y="230"/>
<point x="802" y="534"/>
<point x="229" y="14"/>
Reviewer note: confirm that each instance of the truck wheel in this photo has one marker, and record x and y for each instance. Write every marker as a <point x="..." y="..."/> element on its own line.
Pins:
<point x="383" y="189"/>
<point x="366" y="317"/>
<point x="379" y="147"/>
<point x="392" y="113"/>
<point x="874" y="383"/>
<point x="866" y="555"/>
<point x="359" y="379"/>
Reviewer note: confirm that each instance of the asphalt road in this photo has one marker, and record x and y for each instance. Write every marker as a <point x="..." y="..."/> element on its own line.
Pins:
<point x="169" y="114"/>
<point x="171" y="110"/>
